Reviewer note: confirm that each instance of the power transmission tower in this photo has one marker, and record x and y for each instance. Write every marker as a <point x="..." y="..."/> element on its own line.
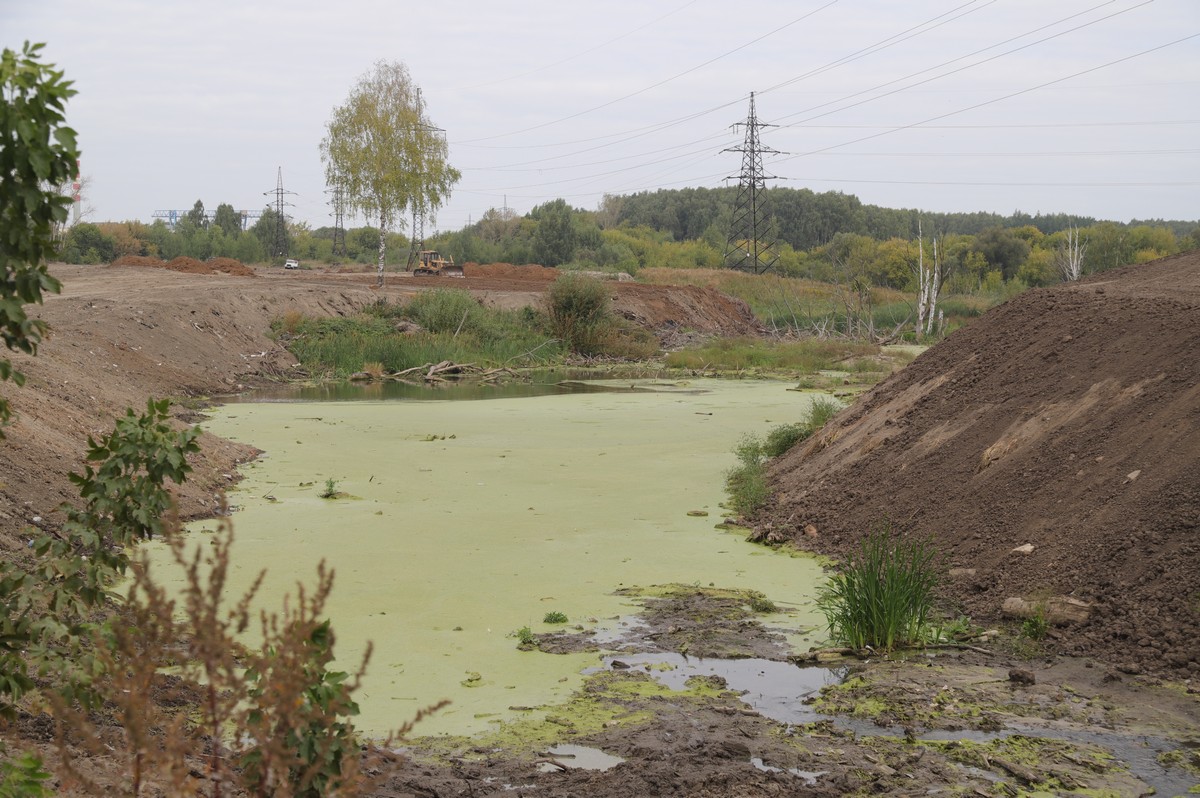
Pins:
<point x="751" y="243"/>
<point x="279" y="240"/>
<point x="416" y="239"/>
<point x="339" y="214"/>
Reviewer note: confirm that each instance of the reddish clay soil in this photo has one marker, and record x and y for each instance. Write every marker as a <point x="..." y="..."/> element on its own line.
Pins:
<point x="1067" y="419"/>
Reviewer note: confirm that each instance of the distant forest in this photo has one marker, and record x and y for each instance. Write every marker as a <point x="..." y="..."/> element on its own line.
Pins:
<point x="806" y="219"/>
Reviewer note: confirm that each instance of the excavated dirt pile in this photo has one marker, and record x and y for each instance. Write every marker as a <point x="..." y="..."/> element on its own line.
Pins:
<point x="189" y="265"/>
<point x="1066" y="420"/>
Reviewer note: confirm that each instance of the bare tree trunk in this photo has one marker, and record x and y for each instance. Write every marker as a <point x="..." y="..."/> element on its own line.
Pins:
<point x="935" y="288"/>
<point x="922" y="282"/>
<point x="382" y="247"/>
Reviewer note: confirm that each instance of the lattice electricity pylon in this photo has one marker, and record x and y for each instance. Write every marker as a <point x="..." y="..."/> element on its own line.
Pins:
<point x="751" y="243"/>
<point x="416" y="239"/>
<point x="279" y="240"/>
<point x="339" y="219"/>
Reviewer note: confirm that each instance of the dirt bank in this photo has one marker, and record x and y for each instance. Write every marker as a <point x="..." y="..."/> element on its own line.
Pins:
<point x="1066" y="420"/>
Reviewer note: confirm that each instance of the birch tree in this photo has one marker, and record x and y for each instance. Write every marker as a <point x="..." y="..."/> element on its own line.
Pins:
<point x="385" y="154"/>
<point x="1069" y="257"/>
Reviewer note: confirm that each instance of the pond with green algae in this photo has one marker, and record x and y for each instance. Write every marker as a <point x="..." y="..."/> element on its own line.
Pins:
<point x="462" y="522"/>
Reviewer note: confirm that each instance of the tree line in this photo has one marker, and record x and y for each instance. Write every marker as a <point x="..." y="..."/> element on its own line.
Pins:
<point x="823" y="236"/>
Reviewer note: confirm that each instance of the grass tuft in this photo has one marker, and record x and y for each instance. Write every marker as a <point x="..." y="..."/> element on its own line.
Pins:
<point x="883" y="598"/>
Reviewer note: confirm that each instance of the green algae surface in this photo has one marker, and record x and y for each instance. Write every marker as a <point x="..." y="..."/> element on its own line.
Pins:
<point x="461" y="522"/>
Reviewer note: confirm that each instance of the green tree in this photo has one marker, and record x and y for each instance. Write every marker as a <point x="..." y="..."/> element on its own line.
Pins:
<point x="197" y="216"/>
<point x="555" y="239"/>
<point x="1003" y="249"/>
<point x="265" y="230"/>
<point x="382" y="150"/>
<point x="228" y="219"/>
<point x="87" y="243"/>
<point x="37" y="152"/>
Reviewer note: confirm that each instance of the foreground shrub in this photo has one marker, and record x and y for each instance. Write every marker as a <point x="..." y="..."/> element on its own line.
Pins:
<point x="883" y="597"/>
<point x="578" y="310"/>
<point x="446" y="310"/>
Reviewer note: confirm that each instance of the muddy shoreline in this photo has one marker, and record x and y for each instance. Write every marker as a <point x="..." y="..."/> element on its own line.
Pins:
<point x="950" y="721"/>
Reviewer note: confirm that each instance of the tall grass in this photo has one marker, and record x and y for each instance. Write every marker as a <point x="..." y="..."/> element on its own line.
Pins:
<point x="805" y="356"/>
<point x="796" y="303"/>
<point x="883" y="598"/>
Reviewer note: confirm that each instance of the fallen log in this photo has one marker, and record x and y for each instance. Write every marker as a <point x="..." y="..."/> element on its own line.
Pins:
<point x="1058" y="611"/>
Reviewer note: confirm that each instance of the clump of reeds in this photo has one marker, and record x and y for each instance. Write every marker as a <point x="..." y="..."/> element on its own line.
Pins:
<point x="883" y="597"/>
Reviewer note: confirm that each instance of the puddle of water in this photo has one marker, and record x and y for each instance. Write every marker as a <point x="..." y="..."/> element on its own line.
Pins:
<point x="809" y="776"/>
<point x="1138" y="752"/>
<point x="775" y="690"/>
<point x="580" y="757"/>
<point x="470" y="520"/>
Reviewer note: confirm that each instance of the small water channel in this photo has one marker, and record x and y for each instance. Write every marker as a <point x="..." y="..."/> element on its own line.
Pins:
<point x="467" y="520"/>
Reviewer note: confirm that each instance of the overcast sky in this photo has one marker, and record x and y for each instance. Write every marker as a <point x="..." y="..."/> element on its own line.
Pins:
<point x="1088" y="107"/>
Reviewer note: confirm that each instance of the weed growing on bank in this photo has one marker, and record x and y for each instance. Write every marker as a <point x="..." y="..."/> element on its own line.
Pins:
<point x="883" y="597"/>
<point x="746" y="482"/>
<point x="554" y="616"/>
<point x="1036" y="626"/>
<point x="526" y="639"/>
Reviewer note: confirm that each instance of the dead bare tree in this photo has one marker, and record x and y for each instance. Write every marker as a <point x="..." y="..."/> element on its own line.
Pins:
<point x="1069" y="256"/>
<point x="930" y="280"/>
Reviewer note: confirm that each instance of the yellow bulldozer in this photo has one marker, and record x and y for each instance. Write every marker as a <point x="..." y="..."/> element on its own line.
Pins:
<point x="430" y="263"/>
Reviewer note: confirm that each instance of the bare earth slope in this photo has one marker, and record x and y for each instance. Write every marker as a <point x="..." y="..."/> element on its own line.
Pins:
<point x="122" y="334"/>
<point x="1069" y="419"/>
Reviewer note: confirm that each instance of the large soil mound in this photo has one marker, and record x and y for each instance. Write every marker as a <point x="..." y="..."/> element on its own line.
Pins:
<point x="1068" y="419"/>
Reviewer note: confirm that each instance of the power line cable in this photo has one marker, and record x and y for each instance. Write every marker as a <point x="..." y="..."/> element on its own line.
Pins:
<point x="962" y="68"/>
<point x="1002" y="98"/>
<point x="579" y="54"/>
<point x="659" y="83"/>
<point x="638" y="132"/>
<point x="923" y="27"/>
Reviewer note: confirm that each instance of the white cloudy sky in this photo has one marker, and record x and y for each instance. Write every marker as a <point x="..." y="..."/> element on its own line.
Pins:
<point x="1089" y="107"/>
